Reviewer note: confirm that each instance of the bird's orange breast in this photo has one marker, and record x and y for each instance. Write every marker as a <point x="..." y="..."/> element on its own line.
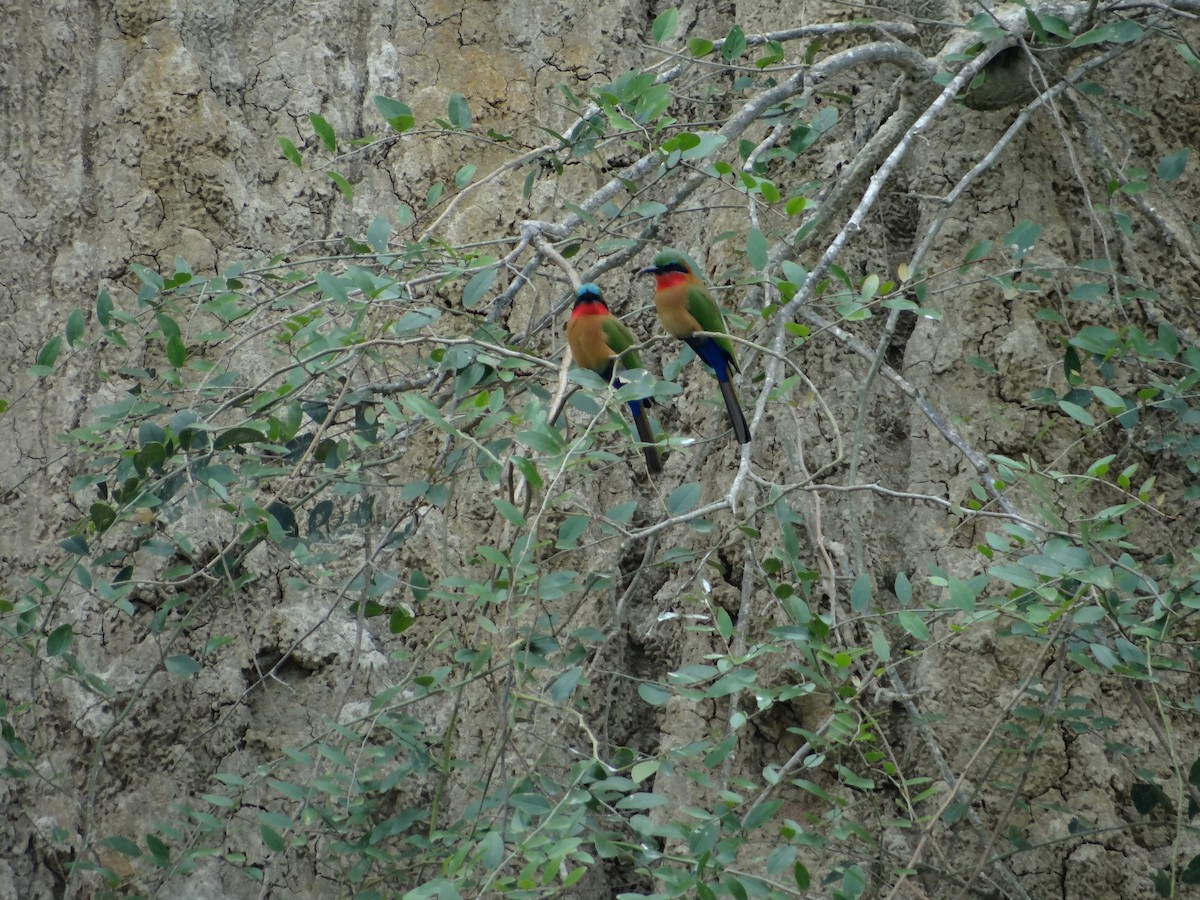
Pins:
<point x="671" y="304"/>
<point x="589" y="346"/>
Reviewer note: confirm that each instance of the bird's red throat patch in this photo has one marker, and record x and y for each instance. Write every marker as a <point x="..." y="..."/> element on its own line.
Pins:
<point x="668" y="280"/>
<point x="590" y="308"/>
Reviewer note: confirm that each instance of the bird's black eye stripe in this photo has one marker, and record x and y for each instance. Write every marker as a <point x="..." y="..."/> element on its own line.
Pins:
<point x="674" y="267"/>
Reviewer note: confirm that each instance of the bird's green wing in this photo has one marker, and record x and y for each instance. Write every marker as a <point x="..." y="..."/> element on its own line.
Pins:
<point x="620" y="338"/>
<point x="704" y="310"/>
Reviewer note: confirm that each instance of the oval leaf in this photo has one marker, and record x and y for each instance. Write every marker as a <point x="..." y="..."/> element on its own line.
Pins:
<point x="460" y="112"/>
<point x="182" y="665"/>
<point x="665" y="24"/>
<point x="59" y="640"/>
<point x="683" y="498"/>
<point x="324" y="131"/>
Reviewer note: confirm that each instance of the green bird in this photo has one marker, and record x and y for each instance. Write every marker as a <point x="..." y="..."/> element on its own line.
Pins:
<point x="685" y="307"/>
<point x="598" y="340"/>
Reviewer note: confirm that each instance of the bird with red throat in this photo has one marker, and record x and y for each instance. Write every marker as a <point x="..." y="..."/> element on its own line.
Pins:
<point x="685" y="307"/>
<point x="601" y="342"/>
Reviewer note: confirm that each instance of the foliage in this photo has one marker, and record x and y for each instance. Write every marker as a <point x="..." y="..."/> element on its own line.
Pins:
<point x="314" y="420"/>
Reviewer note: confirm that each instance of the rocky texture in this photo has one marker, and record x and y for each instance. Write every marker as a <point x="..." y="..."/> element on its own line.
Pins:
<point x="138" y="133"/>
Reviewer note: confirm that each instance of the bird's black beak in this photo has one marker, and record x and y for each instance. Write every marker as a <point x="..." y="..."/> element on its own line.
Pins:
<point x="651" y="270"/>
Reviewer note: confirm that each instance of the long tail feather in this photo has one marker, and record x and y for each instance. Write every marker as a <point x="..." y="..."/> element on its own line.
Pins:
<point x="736" y="419"/>
<point x="646" y="436"/>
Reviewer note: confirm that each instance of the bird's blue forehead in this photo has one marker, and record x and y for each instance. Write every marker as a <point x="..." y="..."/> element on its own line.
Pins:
<point x="588" y="290"/>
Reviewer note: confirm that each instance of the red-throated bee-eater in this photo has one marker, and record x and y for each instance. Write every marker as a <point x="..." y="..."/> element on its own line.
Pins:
<point x="685" y="307"/>
<point x="600" y="341"/>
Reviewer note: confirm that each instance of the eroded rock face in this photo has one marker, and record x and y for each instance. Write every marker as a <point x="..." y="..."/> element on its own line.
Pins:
<point x="141" y="133"/>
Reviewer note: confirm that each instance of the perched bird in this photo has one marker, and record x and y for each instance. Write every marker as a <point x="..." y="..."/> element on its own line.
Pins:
<point x="598" y="340"/>
<point x="685" y="307"/>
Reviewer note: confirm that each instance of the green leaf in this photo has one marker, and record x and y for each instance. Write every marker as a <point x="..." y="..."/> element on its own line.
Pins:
<point x="272" y="839"/>
<point x="1194" y="773"/>
<point x="1145" y="796"/>
<point x="1020" y="240"/>
<point x="913" y="624"/>
<point x="102" y="516"/>
<point x="1057" y="27"/>
<point x="772" y="55"/>
<point x="478" y="286"/>
<point x="342" y="185"/>
<point x="800" y="874"/>
<point x="564" y="685"/>
<point x="238" y="436"/>
<point x="700" y="47"/>
<point x="756" y="249"/>
<point x="1171" y="166"/>
<point x="400" y="620"/>
<point x="151" y="433"/>
<point x="378" y="233"/>
<point x="463" y="176"/>
<point x="324" y="131"/>
<point x="761" y="814"/>
<point x="1110" y="399"/>
<point x="460" y="112"/>
<point x="879" y="643"/>
<point x="170" y="328"/>
<point x="860" y="594"/>
<point x="962" y="595"/>
<point x="977" y="252"/>
<point x="1036" y="25"/>
<point x="796" y="205"/>
<point x="654" y="694"/>
<point x="49" y="353"/>
<point x="720" y="752"/>
<point x="159" y="852"/>
<point x="491" y="850"/>
<point x="570" y="531"/>
<point x="176" y="351"/>
<point x="104" y="308"/>
<point x="59" y="641"/>
<point x="1123" y="32"/>
<point x="1096" y="339"/>
<point x="1189" y="57"/>
<point x="735" y="43"/>
<point x="419" y="585"/>
<point x="683" y="498"/>
<point x="290" y="153"/>
<point x="724" y="624"/>
<point x="76" y="545"/>
<point x="74" y="326"/>
<point x="903" y="589"/>
<point x="511" y="513"/>
<point x="398" y="115"/>
<point x="1088" y="293"/>
<point x="1104" y="655"/>
<point x="1191" y="872"/>
<point x="665" y="24"/>
<point x="985" y="26"/>
<point x="122" y="845"/>
<point x="1076" y="412"/>
<point x="643" y="770"/>
<point x="152" y="456"/>
<point x="732" y="682"/>
<point x="182" y="665"/>
<point x="708" y="144"/>
<point x="622" y="513"/>
<point x="642" y="800"/>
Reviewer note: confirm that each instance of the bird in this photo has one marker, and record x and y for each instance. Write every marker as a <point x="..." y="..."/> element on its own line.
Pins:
<point x="598" y="341"/>
<point x="685" y="307"/>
